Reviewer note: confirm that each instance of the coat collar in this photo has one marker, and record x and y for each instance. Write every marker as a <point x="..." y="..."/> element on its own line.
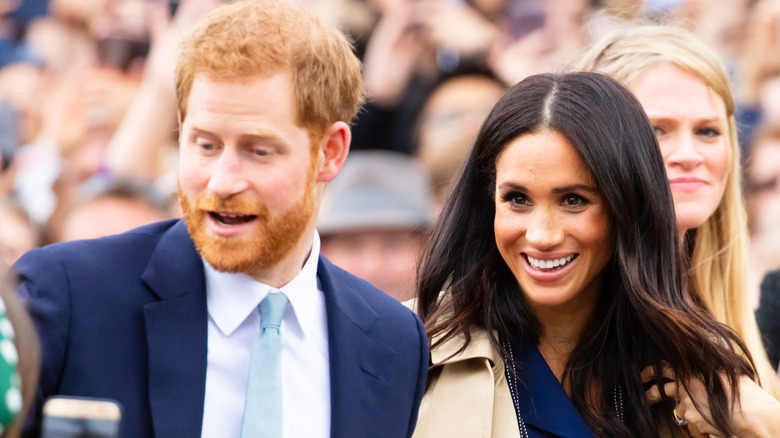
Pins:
<point x="479" y="347"/>
<point x="175" y="268"/>
<point x="176" y="332"/>
<point x="447" y="352"/>
<point x="358" y="362"/>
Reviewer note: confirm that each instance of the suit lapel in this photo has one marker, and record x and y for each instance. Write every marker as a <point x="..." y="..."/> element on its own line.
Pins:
<point x="176" y="332"/>
<point x="357" y="361"/>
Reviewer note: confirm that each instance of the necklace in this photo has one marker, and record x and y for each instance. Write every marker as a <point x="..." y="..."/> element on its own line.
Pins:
<point x="513" y="383"/>
<point x="617" y="395"/>
<point x="511" y="380"/>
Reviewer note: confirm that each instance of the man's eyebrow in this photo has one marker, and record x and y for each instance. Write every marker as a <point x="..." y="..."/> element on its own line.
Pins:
<point x="264" y="134"/>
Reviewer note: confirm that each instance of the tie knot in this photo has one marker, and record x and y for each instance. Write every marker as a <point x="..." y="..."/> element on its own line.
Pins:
<point x="272" y="309"/>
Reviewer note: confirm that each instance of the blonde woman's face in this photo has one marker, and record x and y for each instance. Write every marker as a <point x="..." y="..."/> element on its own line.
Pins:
<point x="691" y="124"/>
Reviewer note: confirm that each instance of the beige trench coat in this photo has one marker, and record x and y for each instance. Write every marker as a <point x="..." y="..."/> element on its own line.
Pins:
<point x="470" y="398"/>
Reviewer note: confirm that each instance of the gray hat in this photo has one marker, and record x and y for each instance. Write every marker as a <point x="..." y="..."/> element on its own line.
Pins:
<point x="376" y="189"/>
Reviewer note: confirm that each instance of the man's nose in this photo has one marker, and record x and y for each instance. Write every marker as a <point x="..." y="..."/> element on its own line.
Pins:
<point x="227" y="178"/>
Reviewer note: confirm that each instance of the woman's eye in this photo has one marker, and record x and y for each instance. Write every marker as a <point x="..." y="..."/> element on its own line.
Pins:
<point x="658" y="130"/>
<point x="574" y="201"/>
<point x="261" y="152"/>
<point x="207" y="146"/>
<point x="515" y="198"/>
<point x="708" y="132"/>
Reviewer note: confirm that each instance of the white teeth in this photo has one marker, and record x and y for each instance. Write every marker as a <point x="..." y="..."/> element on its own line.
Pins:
<point x="549" y="264"/>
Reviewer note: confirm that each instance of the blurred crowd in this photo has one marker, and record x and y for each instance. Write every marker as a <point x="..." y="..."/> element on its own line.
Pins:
<point x="88" y="111"/>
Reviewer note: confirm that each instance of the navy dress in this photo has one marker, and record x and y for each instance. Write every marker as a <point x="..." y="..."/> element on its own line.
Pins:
<point x="542" y="405"/>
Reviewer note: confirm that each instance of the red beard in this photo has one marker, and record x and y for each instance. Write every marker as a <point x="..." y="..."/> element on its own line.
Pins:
<point x="273" y="239"/>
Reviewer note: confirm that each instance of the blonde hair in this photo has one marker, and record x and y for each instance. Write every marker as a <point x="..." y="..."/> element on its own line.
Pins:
<point x="719" y="256"/>
<point x="252" y="38"/>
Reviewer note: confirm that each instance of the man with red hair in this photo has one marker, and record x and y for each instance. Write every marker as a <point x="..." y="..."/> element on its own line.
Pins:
<point x="165" y="320"/>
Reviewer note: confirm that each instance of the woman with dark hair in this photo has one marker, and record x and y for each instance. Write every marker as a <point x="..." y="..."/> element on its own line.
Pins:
<point x="551" y="288"/>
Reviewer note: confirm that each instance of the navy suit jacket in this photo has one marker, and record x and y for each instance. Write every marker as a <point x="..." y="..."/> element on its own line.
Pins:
<point x="124" y="317"/>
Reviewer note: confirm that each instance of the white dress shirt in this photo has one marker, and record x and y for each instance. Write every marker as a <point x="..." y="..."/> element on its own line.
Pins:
<point x="233" y="325"/>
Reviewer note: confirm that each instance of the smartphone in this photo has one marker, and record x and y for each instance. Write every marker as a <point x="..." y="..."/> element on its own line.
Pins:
<point x="71" y="417"/>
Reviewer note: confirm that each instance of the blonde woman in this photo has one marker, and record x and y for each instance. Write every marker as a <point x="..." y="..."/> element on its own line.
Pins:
<point x="683" y="86"/>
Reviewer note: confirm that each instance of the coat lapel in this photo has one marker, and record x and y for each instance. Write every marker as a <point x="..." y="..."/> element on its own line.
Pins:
<point x="176" y="332"/>
<point x="357" y="362"/>
<point x="462" y="401"/>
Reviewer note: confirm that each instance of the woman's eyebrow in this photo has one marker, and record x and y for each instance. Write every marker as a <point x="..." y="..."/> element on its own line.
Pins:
<point x="513" y="186"/>
<point x="575" y="187"/>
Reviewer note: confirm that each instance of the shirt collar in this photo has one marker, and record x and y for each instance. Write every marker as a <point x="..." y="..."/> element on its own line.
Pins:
<point x="232" y="297"/>
<point x="304" y="292"/>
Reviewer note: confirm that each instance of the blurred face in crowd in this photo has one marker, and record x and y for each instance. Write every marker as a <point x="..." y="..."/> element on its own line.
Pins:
<point x="247" y="174"/>
<point x="386" y="258"/>
<point x="449" y="125"/>
<point x="17" y="236"/>
<point x="551" y="225"/>
<point x="764" y="175"/>
<point x="106" y="216"/>
<point x="691" y="124"/>
<point x="24" y="88"/>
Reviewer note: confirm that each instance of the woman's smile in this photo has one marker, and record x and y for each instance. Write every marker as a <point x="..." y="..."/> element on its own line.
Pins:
<point x="549" y="270"/>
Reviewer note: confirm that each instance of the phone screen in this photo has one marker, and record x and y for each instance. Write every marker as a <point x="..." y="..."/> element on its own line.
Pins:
<point x="71" y="417"/>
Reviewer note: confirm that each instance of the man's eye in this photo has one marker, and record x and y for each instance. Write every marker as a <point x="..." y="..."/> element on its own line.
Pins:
<point x="207" y="146"/>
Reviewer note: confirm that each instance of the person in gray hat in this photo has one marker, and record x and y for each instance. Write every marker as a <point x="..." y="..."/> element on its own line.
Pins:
<point x="372" y="218"/>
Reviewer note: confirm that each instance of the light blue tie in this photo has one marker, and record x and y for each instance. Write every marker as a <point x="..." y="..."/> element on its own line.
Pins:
<point x="263" y="405"/>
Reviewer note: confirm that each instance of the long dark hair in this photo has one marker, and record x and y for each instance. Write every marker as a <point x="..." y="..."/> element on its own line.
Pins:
<point x="644" y="315"/>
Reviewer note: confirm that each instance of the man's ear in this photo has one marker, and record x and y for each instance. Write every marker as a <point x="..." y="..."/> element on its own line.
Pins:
<point x="178" y="126"/>
<point x="334" y="148"/>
